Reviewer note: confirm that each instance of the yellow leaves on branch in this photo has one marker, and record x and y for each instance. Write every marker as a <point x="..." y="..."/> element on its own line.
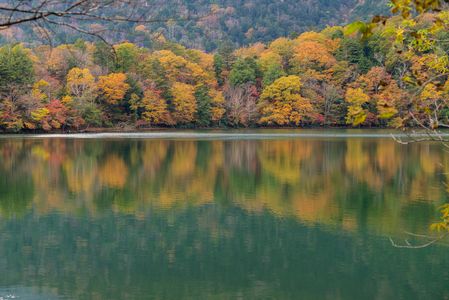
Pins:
<point x="282" y="103"/>
<point x="184" y="103"/>
<point x="443" y="225"/>
<point x="113" y="87"/>
<point x="430" y="94"/>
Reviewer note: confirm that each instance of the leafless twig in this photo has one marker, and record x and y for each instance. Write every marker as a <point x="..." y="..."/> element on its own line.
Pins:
<point x="408" y="245"/>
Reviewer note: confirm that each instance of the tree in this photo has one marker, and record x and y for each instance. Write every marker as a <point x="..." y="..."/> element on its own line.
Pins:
<point x="182" y="69"/>
<point x="270" y="64"/>
<point x="104" y="56"/>
<point x="356" y="113"/>
<point x="284" y="48"/>
<point x="41" y="91"/>
<point x="60" y="60"/>
<point x="80" y="82"/>
<point x="16" y="68"/>
<point x="272" y="73"/>
<point x="204" y="106"/>
<point x="356" y="52"/>
<point x="113" y="87"/>
<point x="184" y="103"/>
<point x="217" y="105"/>
<point x="314" y="51"/>
<point x="53" y="116"/>
<point x="154" y="71"/>
<point x="388" y="103"/>
<point x="152" y="109"/>
<point x="243" y="71"/>
<point x="10" y="118"/>
<point x="405" y="8"/>
<point x="282" y="103"/>
<point x="241" y="104"/>
<point x="126" y="57"/>
<point x="219" y="68"/>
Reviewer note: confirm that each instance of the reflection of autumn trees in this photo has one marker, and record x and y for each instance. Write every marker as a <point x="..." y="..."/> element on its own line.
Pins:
<point x="347" y="183"/>
<point x="114" y="172"/>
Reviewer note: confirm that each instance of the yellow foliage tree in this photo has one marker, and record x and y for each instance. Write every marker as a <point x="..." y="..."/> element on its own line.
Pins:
<point x="79" y="81"/>
<point x="113" y="87"/>
<point x="284" y="48"/>
<point x="356" y="113"/>
<point x="40" y="90"/>
<point x="282" y="103"/>
<point x="184" y="103"/>
<point x="154" y="109"/>
<point x="180" y="69"/>
<point x="217" y="109"/>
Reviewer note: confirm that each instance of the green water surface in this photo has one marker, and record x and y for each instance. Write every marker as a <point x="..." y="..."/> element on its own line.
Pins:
<point x="225" y="217"/>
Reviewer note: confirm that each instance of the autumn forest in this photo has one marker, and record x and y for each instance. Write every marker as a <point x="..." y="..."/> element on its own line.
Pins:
<point x="224" y="149"/>
<point x="336" y="77"/>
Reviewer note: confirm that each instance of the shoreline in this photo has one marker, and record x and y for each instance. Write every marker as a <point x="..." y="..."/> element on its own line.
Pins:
<point x="239" y="134"/>
<point x="186" y="129"/>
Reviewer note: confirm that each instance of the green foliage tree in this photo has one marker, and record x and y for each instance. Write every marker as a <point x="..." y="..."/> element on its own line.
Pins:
<point x="104" y="56"/>
<point x="126" y="57"/>
<point x="219" y="68"/>
<point x="272" y="73"/>
<point x="16" y="68"/>
<point x="244" y="71"/>
<point x="204" y="101"/>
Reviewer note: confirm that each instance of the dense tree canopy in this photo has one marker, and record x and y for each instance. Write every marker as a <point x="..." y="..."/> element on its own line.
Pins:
<point x="395" y="76"/>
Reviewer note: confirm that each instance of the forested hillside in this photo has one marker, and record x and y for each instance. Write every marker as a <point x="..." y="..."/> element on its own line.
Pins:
<point x="334" y="77"/>
<point x="203" y="24"/>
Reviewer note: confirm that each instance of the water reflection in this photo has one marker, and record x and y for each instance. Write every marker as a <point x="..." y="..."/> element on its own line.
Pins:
<point x="352" y="183"/>
<point x="299" y="218"/>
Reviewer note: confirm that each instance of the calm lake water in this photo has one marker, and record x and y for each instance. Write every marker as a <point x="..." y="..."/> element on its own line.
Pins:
<point x="204" y="216"/>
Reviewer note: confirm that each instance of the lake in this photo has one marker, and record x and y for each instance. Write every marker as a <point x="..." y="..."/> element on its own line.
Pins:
<point x="221" y="215"/>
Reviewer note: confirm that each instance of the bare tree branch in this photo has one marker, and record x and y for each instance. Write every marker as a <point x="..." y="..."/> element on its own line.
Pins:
<point x="408" y="245"/>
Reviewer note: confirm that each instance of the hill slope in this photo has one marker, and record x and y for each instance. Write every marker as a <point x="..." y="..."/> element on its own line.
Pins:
<point x="240" y="21"/>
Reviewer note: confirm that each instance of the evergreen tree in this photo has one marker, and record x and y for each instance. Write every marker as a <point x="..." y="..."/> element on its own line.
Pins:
<point x="203" y="100"/>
